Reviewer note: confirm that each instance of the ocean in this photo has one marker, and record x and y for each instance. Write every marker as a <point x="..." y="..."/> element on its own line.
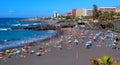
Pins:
<point x="15" y="38"/>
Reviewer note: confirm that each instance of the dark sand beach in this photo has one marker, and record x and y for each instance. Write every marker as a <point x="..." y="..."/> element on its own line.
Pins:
<point x="77" y="55"/>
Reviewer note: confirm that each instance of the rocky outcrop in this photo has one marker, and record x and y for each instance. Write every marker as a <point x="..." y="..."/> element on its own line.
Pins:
<point x="45" y="27"/>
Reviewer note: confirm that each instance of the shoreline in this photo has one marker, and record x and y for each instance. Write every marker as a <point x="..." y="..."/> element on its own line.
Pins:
<point x="59" y="33"/>
<point x="12" y="46"/>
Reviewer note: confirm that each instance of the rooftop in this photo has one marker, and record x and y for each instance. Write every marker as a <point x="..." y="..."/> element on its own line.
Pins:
<point x="107" y="7"/>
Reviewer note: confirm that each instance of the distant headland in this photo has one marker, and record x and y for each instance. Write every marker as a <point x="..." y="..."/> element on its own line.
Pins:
<point x="30" y="19"/>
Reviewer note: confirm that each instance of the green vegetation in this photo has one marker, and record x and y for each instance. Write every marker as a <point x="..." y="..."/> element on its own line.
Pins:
<point x="76" y="18"/>
<point x="98" y="14"/>
<point x="106" y="18"/>
<point x="107" y="15"/>
<point x="87" y="17"/>
<point x="104" y="60"/>
<point x="95" y="11"/>
<point x="68" y="17"/>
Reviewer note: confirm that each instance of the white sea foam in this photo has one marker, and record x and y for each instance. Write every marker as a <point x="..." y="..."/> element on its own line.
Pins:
<point x="20" y="24"/>
<point x="15" y="24"/>
<point x="51" y="31"/>
<point x="35" y="23"/>
<point x="25" y="24"/>
<point x="5" y="29"/>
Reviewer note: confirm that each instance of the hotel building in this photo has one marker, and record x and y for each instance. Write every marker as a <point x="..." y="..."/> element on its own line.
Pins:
<point x="73" y="12"/>
<point x="102" y="9"/>
<point x="81" y="12"/>
<point x="107" y="9"/>
<point x="56" y="14"/>
<point x="117" y="11"/>
<point x="89" y="12"/>
<point x="68" y="13"/>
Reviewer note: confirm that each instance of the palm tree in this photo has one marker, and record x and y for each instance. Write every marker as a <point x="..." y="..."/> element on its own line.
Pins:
<point x="95" y="11"/>
<point x="105" y="60"/>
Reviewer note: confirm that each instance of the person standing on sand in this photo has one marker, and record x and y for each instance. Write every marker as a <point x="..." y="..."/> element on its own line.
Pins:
<point x="47" y="47"/>
<point x="76" y="41"/>
<point x="70" y="46"/>
<point x="114" y="44"/>
<point x="59" y="46"/>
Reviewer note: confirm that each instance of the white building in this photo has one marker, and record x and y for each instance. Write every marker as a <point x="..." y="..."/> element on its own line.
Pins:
<point x="56" y="14"/>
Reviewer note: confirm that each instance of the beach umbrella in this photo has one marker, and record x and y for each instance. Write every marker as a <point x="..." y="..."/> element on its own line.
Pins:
<point x="14" y="52"/>
<point x="87" y="45"/>
<point x="18" y="51"/>
<point x="89" y="42"/>
<point x="24" y="50"/>
<point x="38" y="53"/>
<point x="25" y="47"/>
<point x="59" y="46"/>
<point x="70" y="41"/>
<point x="7" y="51"/>
<point x="31" y="51"/>
<point x="40" y="47"/>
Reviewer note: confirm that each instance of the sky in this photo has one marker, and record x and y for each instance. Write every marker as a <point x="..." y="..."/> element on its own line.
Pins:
<point x="43" y="8"/>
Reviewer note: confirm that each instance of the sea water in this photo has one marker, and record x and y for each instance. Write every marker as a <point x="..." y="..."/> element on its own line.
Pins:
<point x="9" y="37"/>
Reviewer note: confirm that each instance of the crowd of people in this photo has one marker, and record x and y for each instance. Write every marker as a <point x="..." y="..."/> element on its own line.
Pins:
<point x="69" y="38"/>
